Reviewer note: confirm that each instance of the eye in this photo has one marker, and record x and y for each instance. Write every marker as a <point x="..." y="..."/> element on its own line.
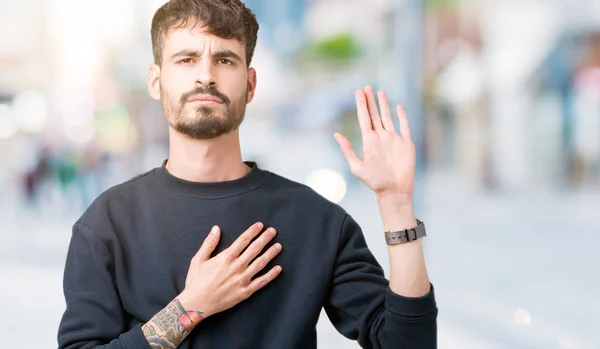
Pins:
<point x="185" y="61"/>
<point x="225" y="61"/>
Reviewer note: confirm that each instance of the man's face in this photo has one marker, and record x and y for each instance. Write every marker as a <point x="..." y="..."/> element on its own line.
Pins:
<point x="203" y="83"/>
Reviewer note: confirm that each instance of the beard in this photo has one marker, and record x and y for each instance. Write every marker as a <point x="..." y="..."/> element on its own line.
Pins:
<point x="205" y="122"/>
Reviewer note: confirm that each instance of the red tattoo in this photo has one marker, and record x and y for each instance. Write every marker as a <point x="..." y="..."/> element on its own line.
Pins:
<point x="188" y="320"/>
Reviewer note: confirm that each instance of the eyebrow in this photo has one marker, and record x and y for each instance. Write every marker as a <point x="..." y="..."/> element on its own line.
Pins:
<point x="217" y="54"/>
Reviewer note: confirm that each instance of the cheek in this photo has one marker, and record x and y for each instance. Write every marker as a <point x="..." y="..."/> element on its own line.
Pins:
<point x="235" y="87"/>
<point x="174" y="85"/>
<point x="170" y="93"/>
<point x="232" y="83"/>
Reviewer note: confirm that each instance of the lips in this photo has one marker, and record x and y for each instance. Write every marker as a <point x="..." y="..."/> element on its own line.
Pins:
<point x="205" y="98"/>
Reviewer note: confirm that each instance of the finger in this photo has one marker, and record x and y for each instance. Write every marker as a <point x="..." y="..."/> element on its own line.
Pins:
<point x="386" y="114"/>
<point x="364" y="119"/>
<point x="209" y="244"/>
<point x="372" y="106"/>
<point x="262" y="261"/>
<point x="257" y="246"/>
<point x="262" y="281"/>
<point x="348" y="151"/>
<point x="244" y="240"/>
<point x="404" y="126"/>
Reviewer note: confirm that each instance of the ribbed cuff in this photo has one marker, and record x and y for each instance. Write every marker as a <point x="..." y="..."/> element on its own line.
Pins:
<point x="410" y="306"/>
<point x="134" y="339"/>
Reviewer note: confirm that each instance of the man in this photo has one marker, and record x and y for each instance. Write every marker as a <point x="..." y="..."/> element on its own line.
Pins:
<point x="159" y="261"/>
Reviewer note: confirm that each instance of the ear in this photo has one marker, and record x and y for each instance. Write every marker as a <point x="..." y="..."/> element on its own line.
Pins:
<point x="251" y="84"/>
<point x="153" y="81"/>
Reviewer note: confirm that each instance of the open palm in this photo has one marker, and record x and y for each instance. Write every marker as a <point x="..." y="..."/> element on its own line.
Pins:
<point x="388" y="160"/>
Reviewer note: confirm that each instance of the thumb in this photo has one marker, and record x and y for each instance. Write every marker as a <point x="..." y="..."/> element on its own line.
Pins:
<point x="209" y="244"/>
<point x="348" y="151"/>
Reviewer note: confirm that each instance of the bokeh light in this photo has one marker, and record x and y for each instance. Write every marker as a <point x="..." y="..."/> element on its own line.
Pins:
<point x="329" y="183"/>
<point x="8" y="124"/>
<point x="30" y="110"/>
<point x="522" y="317"/>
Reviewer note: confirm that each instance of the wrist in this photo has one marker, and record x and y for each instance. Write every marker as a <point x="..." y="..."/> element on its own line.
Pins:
<point x="192" y="302"/>
<point x="397" y="211"/>
<point x="394" y="197"/>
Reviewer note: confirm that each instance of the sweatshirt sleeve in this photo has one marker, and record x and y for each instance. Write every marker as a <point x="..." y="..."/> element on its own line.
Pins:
<point x="362" y="307"/>
<point x="94" y="317"/>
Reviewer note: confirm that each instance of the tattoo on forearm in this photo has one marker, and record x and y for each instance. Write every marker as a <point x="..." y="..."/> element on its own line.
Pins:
<point x="168" y="328"/>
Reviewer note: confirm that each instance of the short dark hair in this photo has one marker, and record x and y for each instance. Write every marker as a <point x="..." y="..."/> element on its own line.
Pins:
<point x="227" y="19"/>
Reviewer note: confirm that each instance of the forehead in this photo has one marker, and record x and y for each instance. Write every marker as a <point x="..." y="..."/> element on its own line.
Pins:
<point x="197" y="38"/>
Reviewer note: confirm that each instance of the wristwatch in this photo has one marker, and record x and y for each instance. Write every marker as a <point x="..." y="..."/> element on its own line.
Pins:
<point x="407" y="235"/>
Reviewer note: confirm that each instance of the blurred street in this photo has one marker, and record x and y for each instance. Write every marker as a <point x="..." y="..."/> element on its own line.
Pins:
<point x="484" y="258"/>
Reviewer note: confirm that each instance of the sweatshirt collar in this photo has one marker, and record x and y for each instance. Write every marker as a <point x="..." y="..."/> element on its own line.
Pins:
<point x="210" y="190"/>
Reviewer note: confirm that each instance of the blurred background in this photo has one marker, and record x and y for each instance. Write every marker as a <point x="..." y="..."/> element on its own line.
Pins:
<point x="504" y="102"/>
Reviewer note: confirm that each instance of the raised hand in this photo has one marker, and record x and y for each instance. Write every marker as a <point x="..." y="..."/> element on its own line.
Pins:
<point x="388" y="161"/>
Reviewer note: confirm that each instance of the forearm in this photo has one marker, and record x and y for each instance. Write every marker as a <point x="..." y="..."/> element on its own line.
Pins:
<point x="408" y="274"/>
<point x="169" y="327"/>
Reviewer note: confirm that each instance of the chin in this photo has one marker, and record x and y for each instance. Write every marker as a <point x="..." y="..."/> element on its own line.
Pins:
<point x="212" y="112"/>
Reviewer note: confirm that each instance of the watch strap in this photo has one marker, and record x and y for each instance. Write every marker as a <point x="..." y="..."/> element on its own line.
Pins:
<point x="407" y="235"/>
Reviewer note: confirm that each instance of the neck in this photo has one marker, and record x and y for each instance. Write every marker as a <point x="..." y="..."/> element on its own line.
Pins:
<point x="211" y="160"/>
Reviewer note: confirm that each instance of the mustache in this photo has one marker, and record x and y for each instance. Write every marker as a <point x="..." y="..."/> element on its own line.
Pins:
<point x="211" y="91"/>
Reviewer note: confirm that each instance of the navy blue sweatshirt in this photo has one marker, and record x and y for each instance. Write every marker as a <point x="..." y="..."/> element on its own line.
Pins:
<point x="130" y="252"/>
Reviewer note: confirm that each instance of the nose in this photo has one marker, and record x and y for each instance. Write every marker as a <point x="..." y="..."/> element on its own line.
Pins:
<point x="205" y="76"/>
